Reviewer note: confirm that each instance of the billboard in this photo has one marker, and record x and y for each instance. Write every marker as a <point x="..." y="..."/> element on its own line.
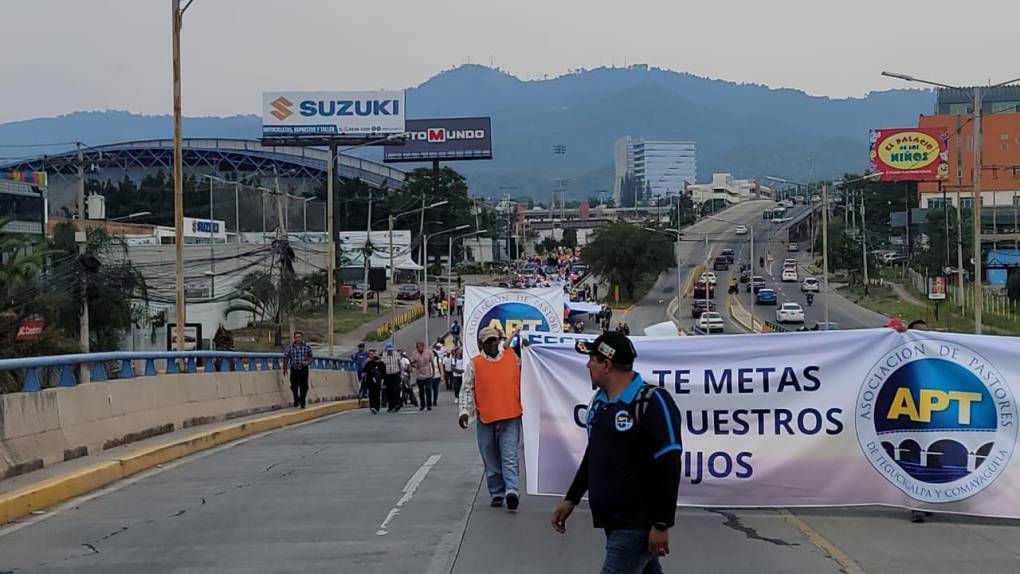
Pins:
<point x="910" y="154"/>
<point x="937" y="287"/>
<point x="443" y="139"/>
<point x="332" y="114"/>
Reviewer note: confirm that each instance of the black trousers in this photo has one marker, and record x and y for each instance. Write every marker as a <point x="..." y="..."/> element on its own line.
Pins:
<point x="425" y="393"/>
<point x="299" y="386"/>
<point x="374" y="390"/>
<point x="457" y="382"/>
<point x="393" y="391"/>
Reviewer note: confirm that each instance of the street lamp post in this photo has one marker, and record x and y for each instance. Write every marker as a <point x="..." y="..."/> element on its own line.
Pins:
<point x="679" y="282"/>
<point x="393" y="274"/>
<point x="425" y="263"/>
<point x="976" y="210"/>
<point x="449" y="266"/>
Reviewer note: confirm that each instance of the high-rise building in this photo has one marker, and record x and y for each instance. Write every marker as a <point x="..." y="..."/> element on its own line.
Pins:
<point x="654" y="167"/>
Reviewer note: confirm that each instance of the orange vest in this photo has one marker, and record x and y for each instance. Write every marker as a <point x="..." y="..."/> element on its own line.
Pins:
<point x="498" y="388"/>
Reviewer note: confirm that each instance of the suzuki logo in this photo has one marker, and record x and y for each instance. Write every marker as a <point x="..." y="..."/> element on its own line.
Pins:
<point x="281" y="108"/>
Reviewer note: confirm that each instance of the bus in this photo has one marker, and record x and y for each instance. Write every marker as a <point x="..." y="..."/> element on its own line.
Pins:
<point x="776" y="214"/>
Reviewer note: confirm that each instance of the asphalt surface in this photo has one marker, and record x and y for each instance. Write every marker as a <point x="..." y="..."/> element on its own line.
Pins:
<point x="400" y="493"/>
<point x="652" y="308"/>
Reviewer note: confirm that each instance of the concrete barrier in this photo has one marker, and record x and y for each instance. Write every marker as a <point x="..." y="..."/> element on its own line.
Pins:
<point x="40" y="429"/>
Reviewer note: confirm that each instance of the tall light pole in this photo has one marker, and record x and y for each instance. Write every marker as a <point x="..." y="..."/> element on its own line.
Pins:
<point x="978" y="145"/>
<point x="825" y="250"/>
<point x="393" y="273"/>
<point x="864" y="243"/>
<point x="449" y="266"/>
<point x="679" y="283"/>
<point x="425" y="263"/>
<point x="180" y="302"/>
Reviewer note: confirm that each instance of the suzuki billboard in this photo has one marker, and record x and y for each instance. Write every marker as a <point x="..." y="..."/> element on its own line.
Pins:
<point x="332" y="114"/>
<point x="443" y="139"/>
<point x="910" y="154"/>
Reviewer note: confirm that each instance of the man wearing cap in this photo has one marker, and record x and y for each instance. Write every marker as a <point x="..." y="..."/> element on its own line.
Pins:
<point x="392" y="362"/>
<point x="375" y="375"/>
<point x="631" y="467"/>
<point x="492" y="390"/>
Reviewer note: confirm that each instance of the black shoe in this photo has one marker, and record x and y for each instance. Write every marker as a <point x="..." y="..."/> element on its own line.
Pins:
<point x="512" y="502"/>
<point x="428" y="408"/>
<point x="916" y="516"/>
<point x="302" y="405"/>
<point x="497" y="502"/>
<point x="421" y="408"/>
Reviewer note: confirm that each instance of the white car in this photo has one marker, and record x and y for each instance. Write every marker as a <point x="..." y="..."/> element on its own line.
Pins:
<point x="711" y="321"/>
<point x="789" y="262"/>
<point x="810" y="285"/>
<point x="793" y="247"/>
<point x="709" y="277"/>
<point x="790" y="274"/>
<point x="790" y="313"/>
<point x="741" y="230"/>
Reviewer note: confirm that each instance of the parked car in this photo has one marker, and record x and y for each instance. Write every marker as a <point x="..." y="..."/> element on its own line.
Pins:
<point x="408" y="292"/>
<point x="359" y="291"/>
<point x="790" y="313"/>
<point x="711" y="321"/>
<point x="721" y="264"/>
<point x="766" y="297"/>
<point x="792" y="247"/>
<point x="699" y="306"/>
<point x="700" y="288"/>
<point x="790" y="274"/>
<point x="810" y="285"/>
<point x="740" y="230"/>
<point x="728" y="254"/>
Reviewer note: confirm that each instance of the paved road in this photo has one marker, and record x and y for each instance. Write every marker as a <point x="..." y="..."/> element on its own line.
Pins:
<point x="652" y="308"/>
<point x="841" y="310"/>
<point x="399" y="493"/>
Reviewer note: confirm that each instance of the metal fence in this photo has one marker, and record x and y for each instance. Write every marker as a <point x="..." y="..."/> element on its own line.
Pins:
<point x="33" y="371"/>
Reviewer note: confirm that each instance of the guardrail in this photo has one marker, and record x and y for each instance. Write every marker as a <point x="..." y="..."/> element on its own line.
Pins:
<point x="212" y="361"/>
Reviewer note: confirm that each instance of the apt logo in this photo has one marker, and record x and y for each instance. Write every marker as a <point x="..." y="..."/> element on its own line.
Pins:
<point x="937" y="420"/>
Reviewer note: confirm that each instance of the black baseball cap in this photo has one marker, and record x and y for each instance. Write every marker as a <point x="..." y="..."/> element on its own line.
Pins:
<point x="612" y="346"/>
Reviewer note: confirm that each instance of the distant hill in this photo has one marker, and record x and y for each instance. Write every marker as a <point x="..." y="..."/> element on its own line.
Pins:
<point x="746" y="129"/>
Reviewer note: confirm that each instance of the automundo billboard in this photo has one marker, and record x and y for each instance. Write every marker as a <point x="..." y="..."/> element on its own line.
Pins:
<point x="332" y="114"/>
<point x="443" y="139"/>
<point x="910" y="154"/>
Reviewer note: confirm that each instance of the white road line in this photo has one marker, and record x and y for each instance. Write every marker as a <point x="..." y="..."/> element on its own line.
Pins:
<point x="409" y="489"/>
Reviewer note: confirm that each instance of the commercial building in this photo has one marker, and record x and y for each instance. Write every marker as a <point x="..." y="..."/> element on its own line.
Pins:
<point x="1000" y="173"/>
<point x="724" y="187"/>
<point x="656" y="168"/>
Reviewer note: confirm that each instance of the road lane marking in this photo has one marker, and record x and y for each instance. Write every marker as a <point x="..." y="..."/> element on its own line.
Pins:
<point x="409" y="489"/>
<point x="823" y="543"/>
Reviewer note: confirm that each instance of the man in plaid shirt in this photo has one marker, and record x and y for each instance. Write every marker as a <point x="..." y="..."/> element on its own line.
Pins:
<point x="297" y="357"/>
<point x="393" y="367"/>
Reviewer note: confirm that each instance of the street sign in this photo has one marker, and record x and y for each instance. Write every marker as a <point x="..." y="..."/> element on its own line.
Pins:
<point x="937" y="287"/>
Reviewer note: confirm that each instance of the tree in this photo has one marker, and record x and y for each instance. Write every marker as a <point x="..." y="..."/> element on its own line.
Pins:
<point x="626" y="254"/>
<point x="255" y="294"/>
<point x="569" y="238"/>
<point x="547" y="245"/>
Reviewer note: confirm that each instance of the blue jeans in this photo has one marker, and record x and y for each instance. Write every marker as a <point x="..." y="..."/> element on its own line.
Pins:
<point x="498" y="442"/>
<point x="627" y="553"/>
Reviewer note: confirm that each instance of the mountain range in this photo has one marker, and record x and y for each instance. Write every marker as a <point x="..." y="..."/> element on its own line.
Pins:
<point x="748" y="130"/>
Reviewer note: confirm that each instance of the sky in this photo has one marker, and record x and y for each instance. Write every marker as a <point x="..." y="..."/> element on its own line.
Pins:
<point x="61" y="56"/>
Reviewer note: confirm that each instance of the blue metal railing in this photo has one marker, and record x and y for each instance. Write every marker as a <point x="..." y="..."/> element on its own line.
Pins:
<point x="175" y="362"/>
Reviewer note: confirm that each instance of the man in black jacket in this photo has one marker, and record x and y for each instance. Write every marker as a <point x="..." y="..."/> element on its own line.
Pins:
<point x="375" y="375"/>
<point x="631" y="467"/>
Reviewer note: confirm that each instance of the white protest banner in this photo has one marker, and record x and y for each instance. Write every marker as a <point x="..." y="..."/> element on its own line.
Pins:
<point x="920" y="419"/>
<point x="510" y="310"/>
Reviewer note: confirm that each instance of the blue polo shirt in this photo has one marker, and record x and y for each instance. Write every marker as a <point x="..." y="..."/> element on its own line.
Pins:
<point x="631" y="467"/>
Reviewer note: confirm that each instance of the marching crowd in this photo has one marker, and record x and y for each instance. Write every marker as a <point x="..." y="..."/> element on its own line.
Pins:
<point x="389" y="380"/>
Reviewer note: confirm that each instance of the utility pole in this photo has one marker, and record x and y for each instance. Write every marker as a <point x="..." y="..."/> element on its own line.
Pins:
<point x="83" y="318"/>
<point x="331" y="247"/>
<point x="864" y="245"/>
<point x="825" y="248"/>
<point x="212" y="246"/>
<point x="366" y="254"/>
<point x="237" y="211"/>
<point x="393" y="276"/>
<point x="978" y="295"/>
<point x="959" y="217"/>
<point x="281" y="234"/>
<point x="180" y="300"/>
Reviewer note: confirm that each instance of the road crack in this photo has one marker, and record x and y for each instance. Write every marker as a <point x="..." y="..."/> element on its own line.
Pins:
<point x="733" y="521"/>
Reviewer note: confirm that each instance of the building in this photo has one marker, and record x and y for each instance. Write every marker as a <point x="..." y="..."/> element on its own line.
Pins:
<point x="657" y="167"/>
<point x="23" y="202"/>
<point x="724" y="187"/>
<point x="1000" y="173"/>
